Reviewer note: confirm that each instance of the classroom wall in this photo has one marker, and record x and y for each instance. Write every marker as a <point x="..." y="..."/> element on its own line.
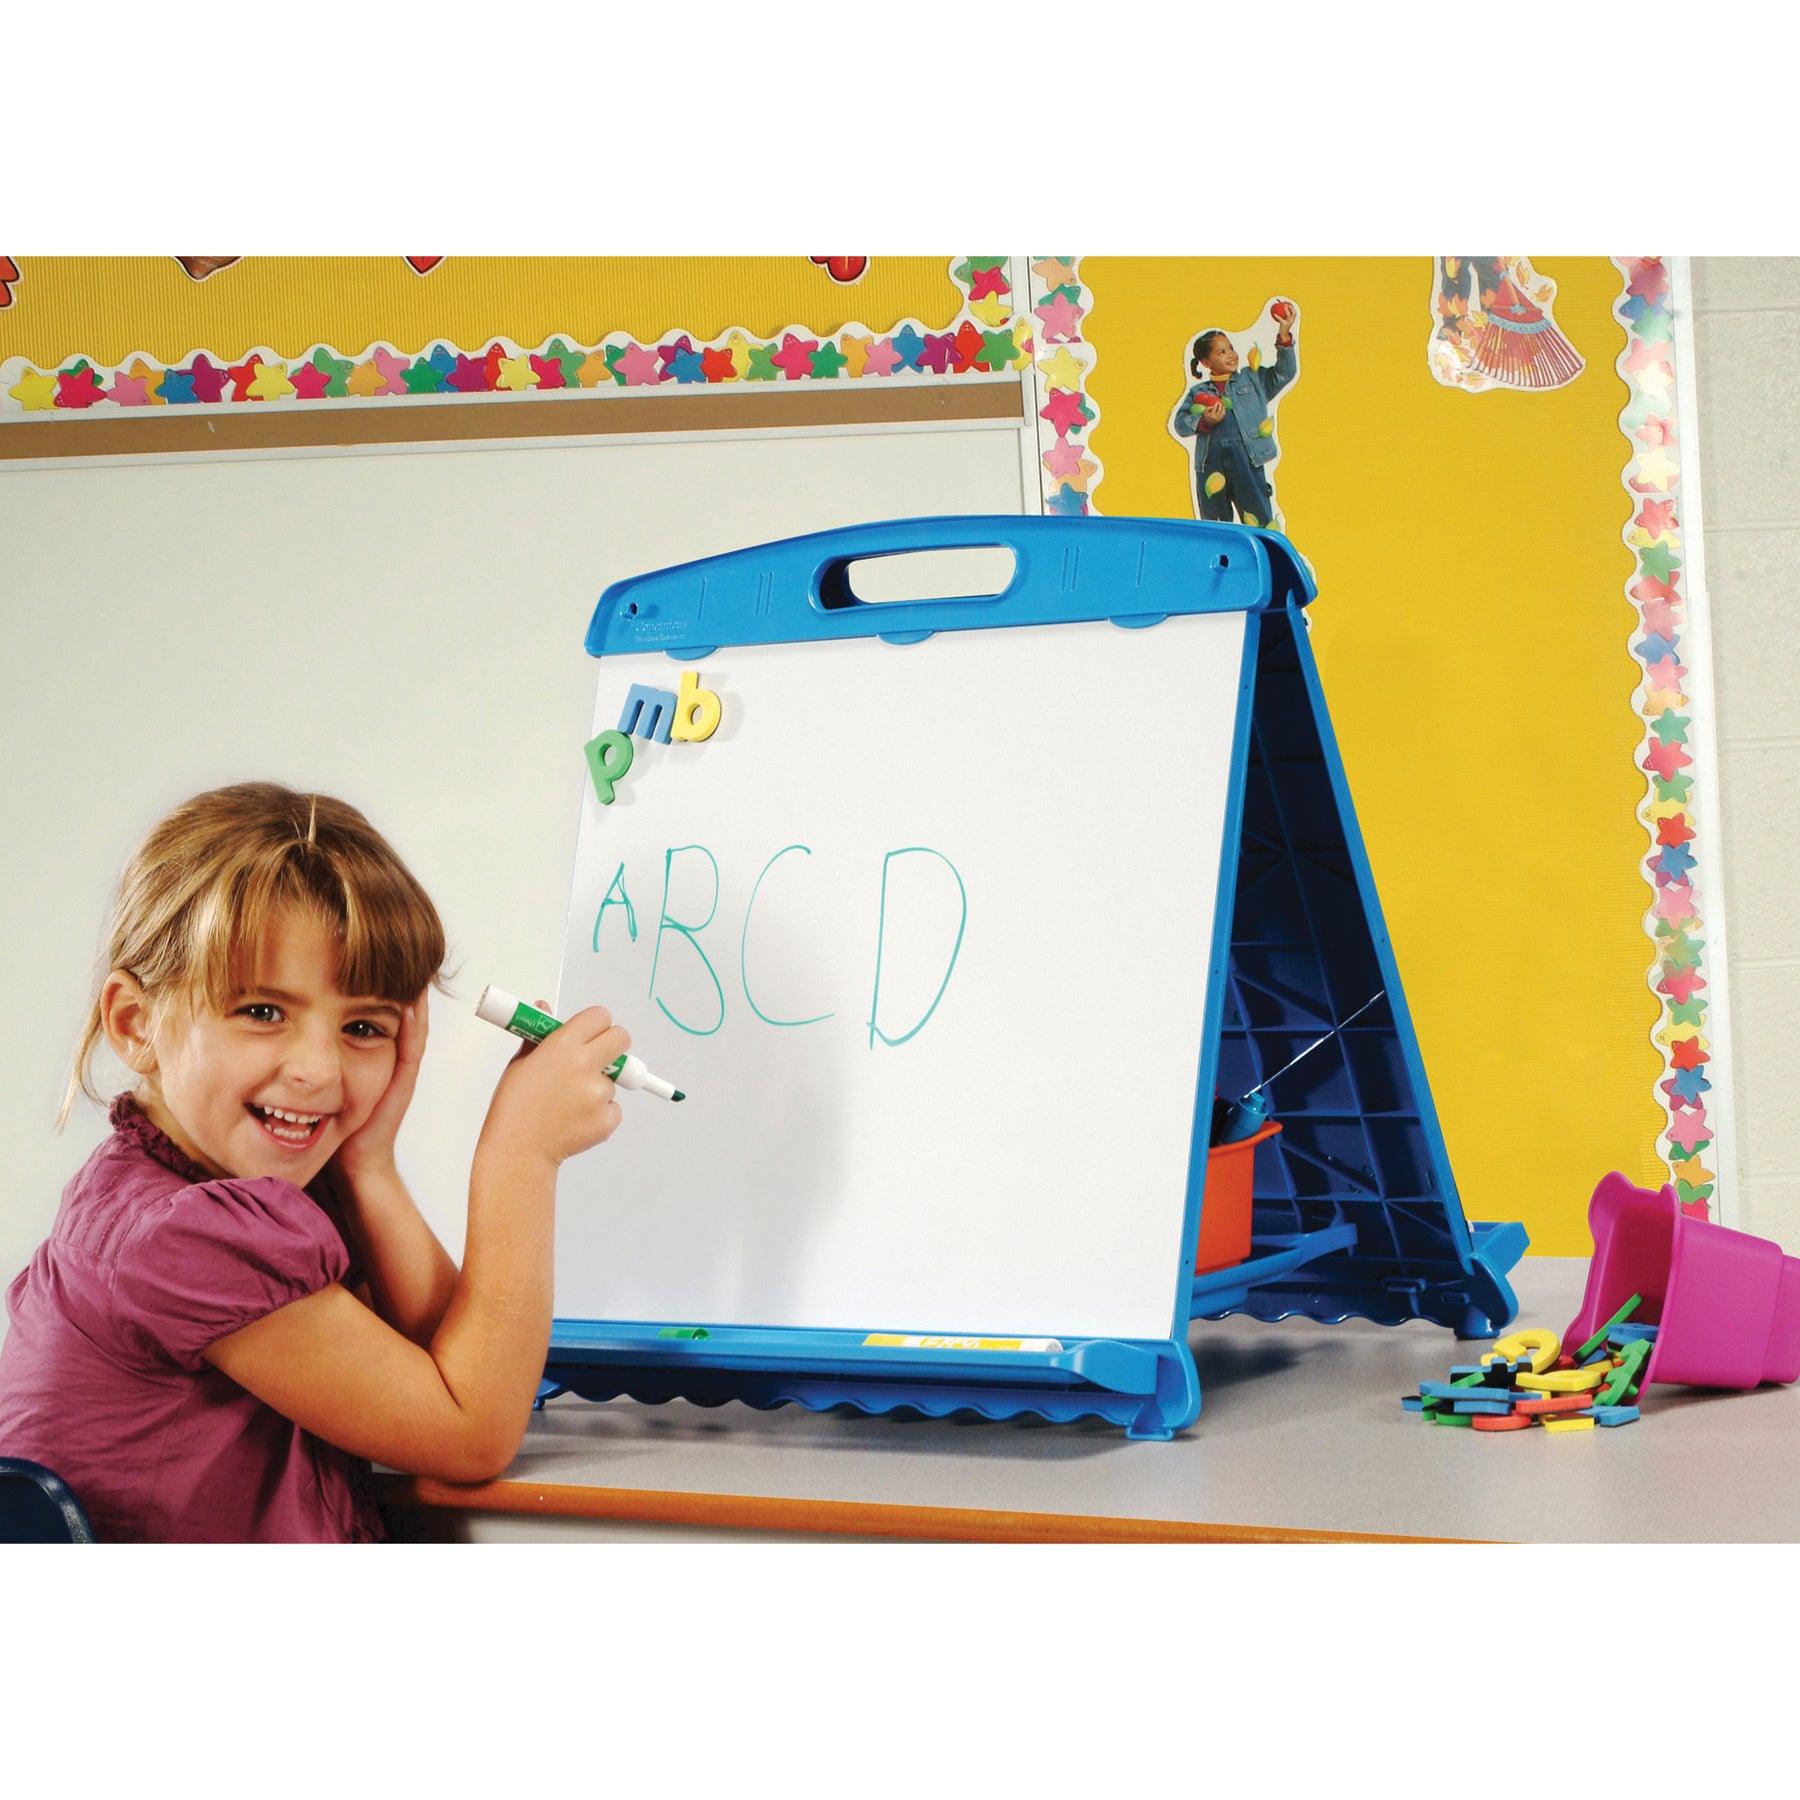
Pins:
<point x="1747" y="351"/>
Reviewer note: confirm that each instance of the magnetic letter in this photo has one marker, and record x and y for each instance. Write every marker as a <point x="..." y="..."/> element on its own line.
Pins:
<point x="696" y="709"/>
<point x="608" y="757"/>
<point x="648" y="711"/>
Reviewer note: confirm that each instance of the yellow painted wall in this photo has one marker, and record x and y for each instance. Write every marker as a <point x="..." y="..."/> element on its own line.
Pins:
<point x="108" y="308"/>
<point x="1471" y="631"/>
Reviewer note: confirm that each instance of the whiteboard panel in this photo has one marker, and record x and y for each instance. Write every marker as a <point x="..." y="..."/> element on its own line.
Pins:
<point x="942" y="1072"/>
<point x="364" y="626"/>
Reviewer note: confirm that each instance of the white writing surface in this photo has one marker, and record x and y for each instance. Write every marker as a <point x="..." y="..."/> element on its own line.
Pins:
<point x="923" y="931"/>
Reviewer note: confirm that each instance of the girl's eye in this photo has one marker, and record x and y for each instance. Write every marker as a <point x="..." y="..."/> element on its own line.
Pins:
<point x="261" y="1006"/>
<point x="366" y="1029"/>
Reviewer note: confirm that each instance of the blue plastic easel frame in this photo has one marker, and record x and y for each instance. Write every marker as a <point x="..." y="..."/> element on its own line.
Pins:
<point x="1318" y="1249"/>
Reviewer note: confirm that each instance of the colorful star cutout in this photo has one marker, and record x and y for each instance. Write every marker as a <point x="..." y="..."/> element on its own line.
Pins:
<point x="469" y="376"/>
<point x="909" y="345"/>
<point x="937" y="351"/>
<point x="639" y="367"/>
<point x="1061" y="317"/>
<point x="366" y="380"/>
<point x="129" y="390"/>
<point x="718" y="365"/>
<point x="762" y="364"/>
<point x="794" y="358"/>
<point x="241" y="375"/>
<point x="883" y="359"/>
<point x="1066" y="412"/>
<point x="992" y="309"/>
<point x="270" y="382"/>
<point x="34" y="391"/>
<point x="335" y="369"/>
<point x="517" y="376"/>
<point x="1675" y="903"/>
<point x="997" y="351"/>
<point x="309" y="381"/>
<point x="1689" y="1130"/>
<point x="828" y="361"/>
<point x="177" y="387"/>
<point x="1681" y="985"/>
<point x="78" y="388"/>
<point x="1673" y="862"/>
<point x="1062" y="369"/>
<point x="737" y="346"/>
<point x="987" y="281"/>
<point x="1055" y="271"/>
<point x="423" y="377"/>
<point x="567" y="360"/>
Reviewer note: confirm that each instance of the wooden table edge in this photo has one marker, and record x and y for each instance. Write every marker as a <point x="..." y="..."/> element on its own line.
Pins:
<point x="853" y="1518"/>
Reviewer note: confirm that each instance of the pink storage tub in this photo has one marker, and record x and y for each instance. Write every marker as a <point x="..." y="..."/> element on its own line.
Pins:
<point x="1726" y="1305"/>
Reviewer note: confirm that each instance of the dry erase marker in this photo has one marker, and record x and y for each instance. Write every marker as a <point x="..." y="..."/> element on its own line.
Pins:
<point x="888" y="1340"/>
<point x="498" y="1007"/>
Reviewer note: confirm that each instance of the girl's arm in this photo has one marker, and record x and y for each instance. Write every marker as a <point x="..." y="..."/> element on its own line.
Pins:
<point x="455" y="1408"/>
<point x="411" y="1276"/>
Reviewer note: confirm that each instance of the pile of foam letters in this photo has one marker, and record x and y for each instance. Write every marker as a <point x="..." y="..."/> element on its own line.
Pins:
<point x="1525" y="1380"/>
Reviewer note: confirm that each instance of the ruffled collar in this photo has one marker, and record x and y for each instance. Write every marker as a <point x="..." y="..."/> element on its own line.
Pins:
<point x="136" y="1126"/>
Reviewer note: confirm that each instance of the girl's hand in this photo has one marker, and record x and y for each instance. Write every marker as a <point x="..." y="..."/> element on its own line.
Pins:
<point x="369" y="1150"/>
<point x="555" y="1098"/>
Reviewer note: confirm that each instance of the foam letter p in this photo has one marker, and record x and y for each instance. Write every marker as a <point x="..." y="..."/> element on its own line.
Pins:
<point x="696" y="709"/>
<point x="608" y="757"/>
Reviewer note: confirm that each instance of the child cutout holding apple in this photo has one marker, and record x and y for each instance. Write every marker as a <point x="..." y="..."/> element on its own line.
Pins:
<point x="1226" y="414"/>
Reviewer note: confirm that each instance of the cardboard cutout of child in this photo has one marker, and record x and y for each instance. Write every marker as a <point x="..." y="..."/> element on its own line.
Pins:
<point x="1228" y="416"/>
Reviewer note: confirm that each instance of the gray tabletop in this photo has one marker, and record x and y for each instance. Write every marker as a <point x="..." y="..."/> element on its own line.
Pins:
<point x="1301" y="1429"/>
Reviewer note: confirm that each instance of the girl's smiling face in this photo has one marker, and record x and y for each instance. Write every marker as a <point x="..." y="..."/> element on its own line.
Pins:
<point x="291" y="1044"/>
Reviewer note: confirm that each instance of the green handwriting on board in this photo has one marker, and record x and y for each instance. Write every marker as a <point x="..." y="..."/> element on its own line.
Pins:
<point x="689" y="931"/>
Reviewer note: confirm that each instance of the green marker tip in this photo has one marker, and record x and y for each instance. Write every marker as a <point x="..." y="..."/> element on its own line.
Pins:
<point x="678" y="1095"/>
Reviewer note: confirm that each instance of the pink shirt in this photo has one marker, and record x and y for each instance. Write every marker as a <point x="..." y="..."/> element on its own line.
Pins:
<point x="101" y="1373"/>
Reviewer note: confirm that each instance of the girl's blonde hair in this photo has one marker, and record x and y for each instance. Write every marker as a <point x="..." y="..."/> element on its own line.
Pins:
<point x="198" y="894"/>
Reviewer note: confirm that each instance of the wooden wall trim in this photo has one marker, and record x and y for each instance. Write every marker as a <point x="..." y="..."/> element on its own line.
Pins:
<point x="169" y="430"/>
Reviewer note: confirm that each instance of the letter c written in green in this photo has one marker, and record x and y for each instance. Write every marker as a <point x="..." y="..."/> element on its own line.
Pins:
<point x="743" y="945"/>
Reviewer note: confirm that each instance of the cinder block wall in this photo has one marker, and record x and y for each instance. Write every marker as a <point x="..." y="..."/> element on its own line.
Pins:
<point x="1747" y="370"/>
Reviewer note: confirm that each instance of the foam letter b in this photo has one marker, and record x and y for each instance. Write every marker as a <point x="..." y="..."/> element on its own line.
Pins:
<point x="696" y="709"/>
<point x="608" y="757"/>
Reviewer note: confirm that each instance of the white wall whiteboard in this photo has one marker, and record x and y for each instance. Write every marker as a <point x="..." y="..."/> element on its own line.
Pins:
<point x="1065" y="787"/>
<point x="344" y="623"/>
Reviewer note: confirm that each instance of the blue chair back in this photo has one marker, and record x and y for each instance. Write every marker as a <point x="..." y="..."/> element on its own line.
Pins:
<point x="37" y="1506"/>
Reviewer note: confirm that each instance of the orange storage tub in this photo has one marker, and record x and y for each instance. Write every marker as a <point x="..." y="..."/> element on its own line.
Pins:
<point x="1225" y="1202"/>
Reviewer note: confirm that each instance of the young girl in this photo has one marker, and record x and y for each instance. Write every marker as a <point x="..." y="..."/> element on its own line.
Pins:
<point x="240" y="1307"/>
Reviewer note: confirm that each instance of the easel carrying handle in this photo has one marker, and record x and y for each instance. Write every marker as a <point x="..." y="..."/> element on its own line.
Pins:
<point x="1065" y="570"/>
